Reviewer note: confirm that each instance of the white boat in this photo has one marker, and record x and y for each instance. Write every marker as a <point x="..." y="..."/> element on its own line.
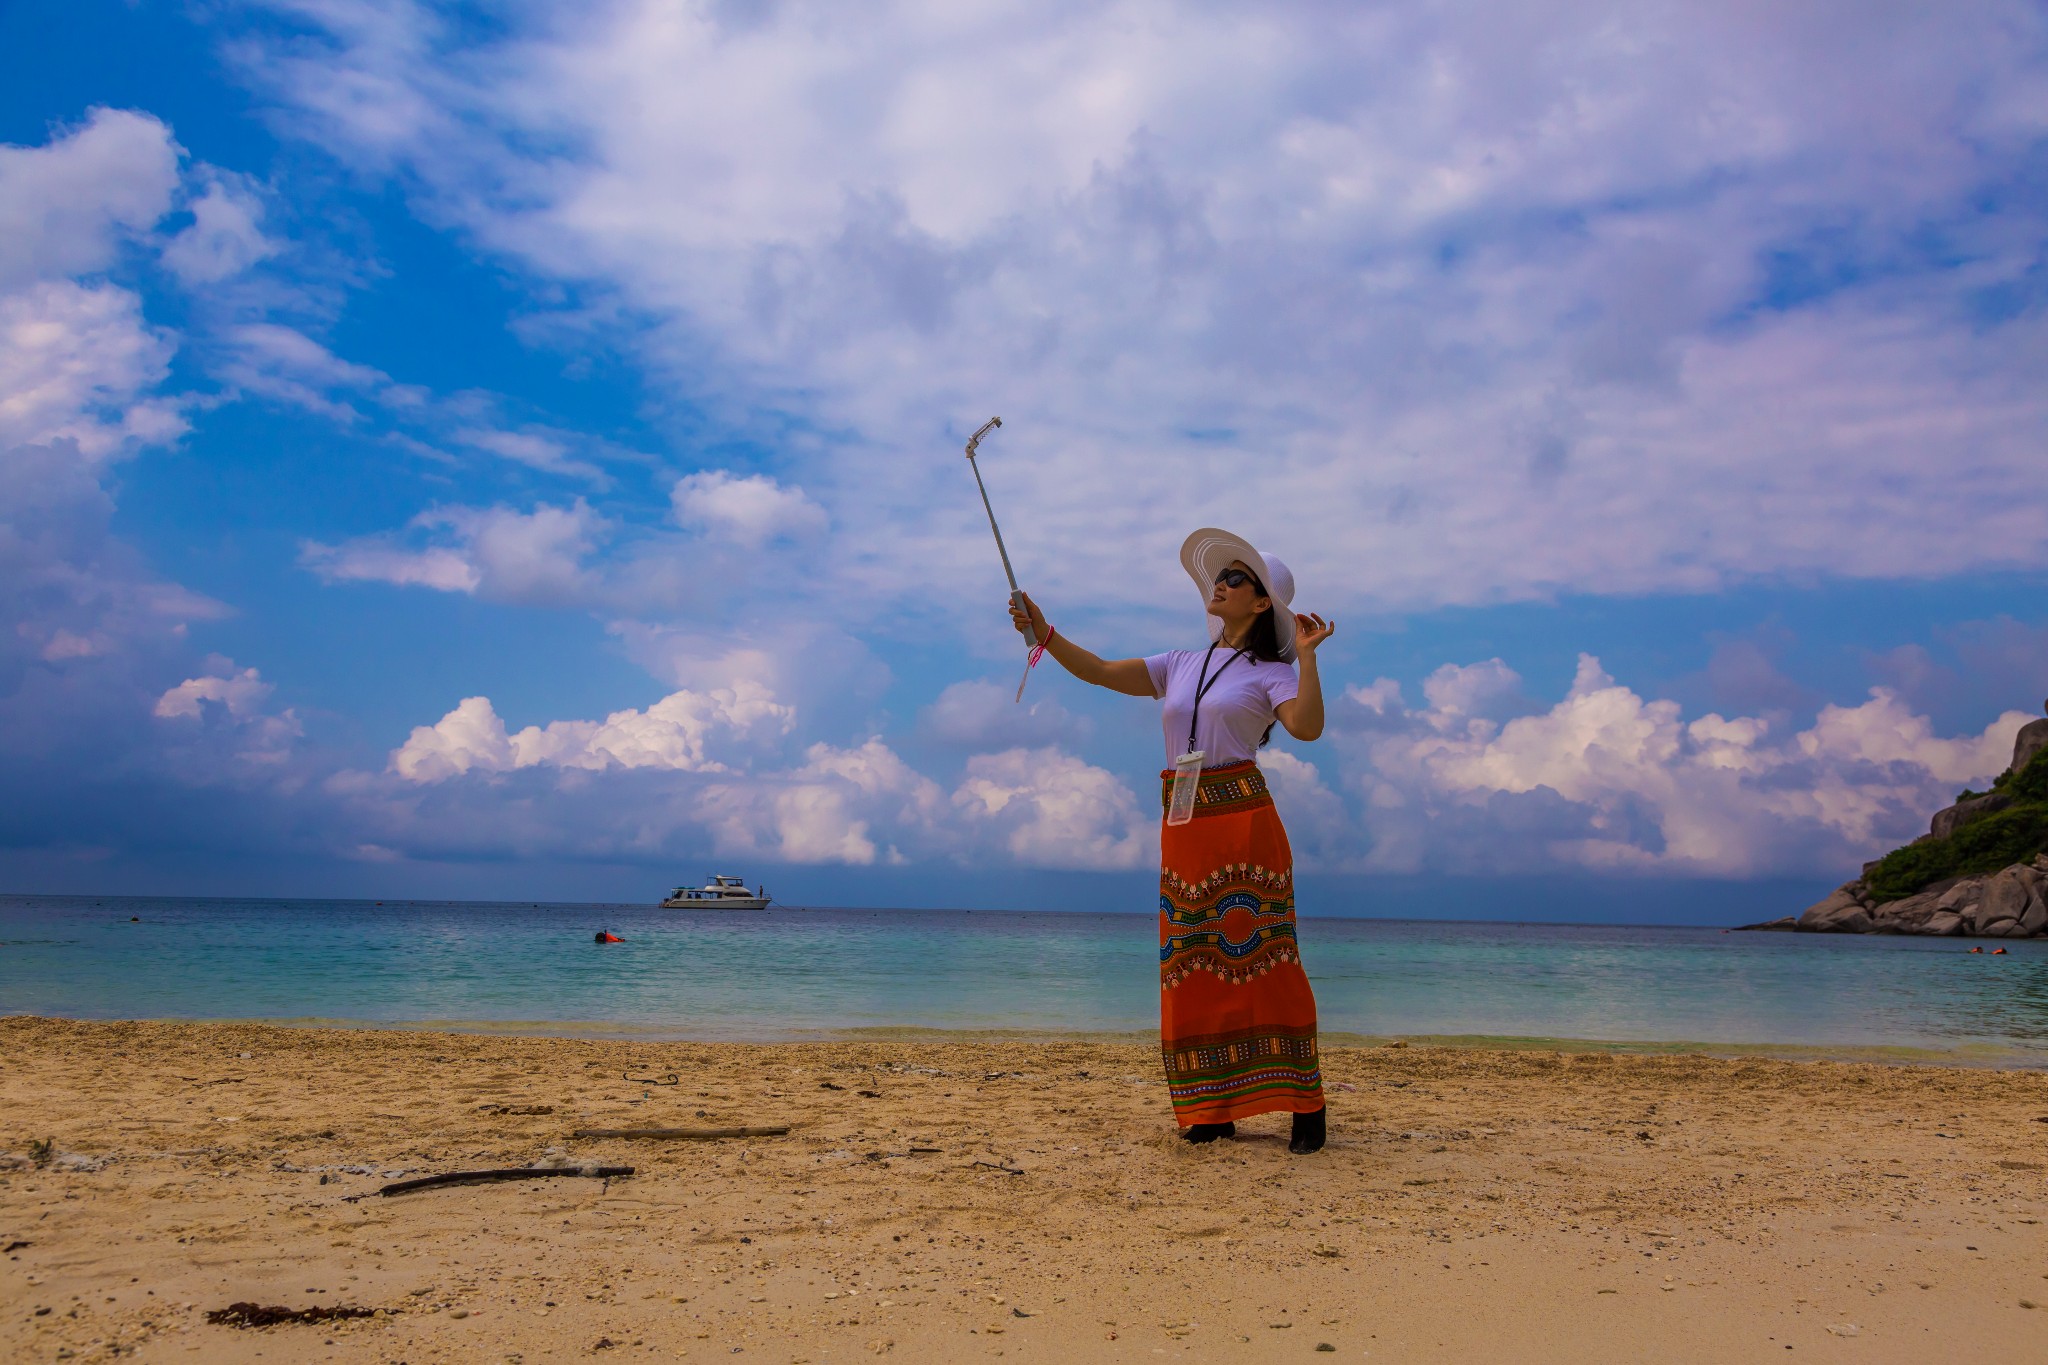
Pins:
<point x="720" y="893"/>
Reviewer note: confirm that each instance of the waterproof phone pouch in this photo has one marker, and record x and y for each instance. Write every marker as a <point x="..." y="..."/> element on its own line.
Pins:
<point x="1187" y="780"/>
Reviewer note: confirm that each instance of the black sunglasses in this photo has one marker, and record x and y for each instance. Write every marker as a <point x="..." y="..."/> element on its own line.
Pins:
<point x="1237" y="578"/>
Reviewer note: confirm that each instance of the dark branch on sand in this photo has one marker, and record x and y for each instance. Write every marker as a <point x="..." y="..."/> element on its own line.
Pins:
<point x="682" y="1134"/>
<point x="512" y="1173"/>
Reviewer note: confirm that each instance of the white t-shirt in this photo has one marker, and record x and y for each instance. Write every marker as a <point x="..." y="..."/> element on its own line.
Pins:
<point x="1236" y="709"/>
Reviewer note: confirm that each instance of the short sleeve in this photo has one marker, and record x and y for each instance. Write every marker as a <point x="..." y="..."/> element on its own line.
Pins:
<point x="1282" y="684"/>
<point x="1160" y="666"/>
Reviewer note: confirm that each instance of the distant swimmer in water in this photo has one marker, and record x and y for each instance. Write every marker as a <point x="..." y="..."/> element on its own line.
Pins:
<point x="603" y="937"/>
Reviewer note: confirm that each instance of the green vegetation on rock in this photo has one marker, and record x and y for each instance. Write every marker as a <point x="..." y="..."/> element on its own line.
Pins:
<point x="2030" y="785"/>
<point x="1986" y="844"/>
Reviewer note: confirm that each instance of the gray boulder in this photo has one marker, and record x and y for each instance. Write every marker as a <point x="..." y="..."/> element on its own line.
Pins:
<point x="2032" y="739"/>
<point x="1947" y="822"/>
<point x="1908" y="916"/>
<point x="1840" y="913"/>
<point x="1942" y="923"/>
<point x="2006" y="897"/>
<point x="2035" y="921"/>
<point x="2034" y="918"/>
<point x="1963" y="895"/>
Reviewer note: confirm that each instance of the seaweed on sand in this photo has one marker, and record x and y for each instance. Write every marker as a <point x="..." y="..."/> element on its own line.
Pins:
<point x="257" y="1315"/>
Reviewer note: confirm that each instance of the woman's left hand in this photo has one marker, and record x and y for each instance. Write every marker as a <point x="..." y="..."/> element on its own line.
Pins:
<point x="1310" y="631"/>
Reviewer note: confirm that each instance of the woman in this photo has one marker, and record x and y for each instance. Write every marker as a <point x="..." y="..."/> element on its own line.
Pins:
<point x="1237" y="1020"/>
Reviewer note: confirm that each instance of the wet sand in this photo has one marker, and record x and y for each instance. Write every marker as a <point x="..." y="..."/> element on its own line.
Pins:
<point x="1472" y="1204"/>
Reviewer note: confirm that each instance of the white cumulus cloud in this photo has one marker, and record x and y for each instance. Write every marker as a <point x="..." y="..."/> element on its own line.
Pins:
<point x="976" y="713"/>
<point x="79" y="364"/>
<point x="233" y="700"/>
<point x="375" y="561"/>
<point x="66" y="207"/>
<point x="225" y="236"/>
<point x="750" y="509"/>
<point x="832" y="805"/>
<point x="1608" y="779"/>
<point x="672" y="734"/>
<point x="1487" y="302"/>
<point x="240" y="694"/>
<point x="1048" y="808"/>
<point x="499" y="552"/>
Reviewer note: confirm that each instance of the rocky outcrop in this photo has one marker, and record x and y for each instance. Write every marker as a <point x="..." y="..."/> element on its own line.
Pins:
<point x="1947" y="822"/>
<point x="1948" y="882"/>
<point x="2011" y="903"/>
<point x="1844" y="912"/>
<point x="2033" y="738"/>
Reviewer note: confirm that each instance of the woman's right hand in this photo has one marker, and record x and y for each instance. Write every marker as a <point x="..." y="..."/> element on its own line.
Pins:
<point x="1027" y="618"/>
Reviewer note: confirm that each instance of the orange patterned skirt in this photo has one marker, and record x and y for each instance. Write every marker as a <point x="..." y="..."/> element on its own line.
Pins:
<point x="1237" y="1020"/>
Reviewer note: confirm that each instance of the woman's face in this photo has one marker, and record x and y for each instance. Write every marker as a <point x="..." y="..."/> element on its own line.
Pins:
<point x="1240" y="603"/>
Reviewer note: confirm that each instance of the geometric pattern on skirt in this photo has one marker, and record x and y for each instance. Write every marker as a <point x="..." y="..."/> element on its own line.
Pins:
<point x="1241" y="1071"/>
<point x="1237" y="1016"/>
<point x="1236" y="927"/>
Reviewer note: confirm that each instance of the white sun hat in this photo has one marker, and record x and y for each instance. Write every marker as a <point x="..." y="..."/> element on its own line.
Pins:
<point x="1209" y="551"/>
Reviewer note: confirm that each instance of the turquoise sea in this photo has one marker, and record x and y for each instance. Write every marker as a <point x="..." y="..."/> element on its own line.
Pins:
<point x="786" y="974"/>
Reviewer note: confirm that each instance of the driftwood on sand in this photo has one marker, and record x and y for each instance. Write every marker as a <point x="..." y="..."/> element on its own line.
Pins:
<point x="427" y="1182"/>
<point x="683" y="1134"/>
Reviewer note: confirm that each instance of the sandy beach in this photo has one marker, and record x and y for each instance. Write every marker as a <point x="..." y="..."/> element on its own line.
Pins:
<point x="1471" y="1205"/>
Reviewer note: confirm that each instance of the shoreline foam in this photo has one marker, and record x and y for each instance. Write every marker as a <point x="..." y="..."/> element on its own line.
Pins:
<point x="1975" y="1055"/>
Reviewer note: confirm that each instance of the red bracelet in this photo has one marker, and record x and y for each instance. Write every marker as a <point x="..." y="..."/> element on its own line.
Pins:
<point x="1037" y="653"/>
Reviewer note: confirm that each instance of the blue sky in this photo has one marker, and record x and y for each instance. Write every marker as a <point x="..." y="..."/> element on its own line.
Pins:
<point x="519" y="455"/>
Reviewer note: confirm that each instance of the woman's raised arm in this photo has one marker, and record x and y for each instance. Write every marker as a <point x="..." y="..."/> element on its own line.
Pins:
<point x="1303" y="714"/>
<point x="1128" y="676"/>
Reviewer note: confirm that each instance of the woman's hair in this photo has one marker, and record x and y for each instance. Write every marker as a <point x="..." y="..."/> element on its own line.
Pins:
<point x="1262" y="642"/>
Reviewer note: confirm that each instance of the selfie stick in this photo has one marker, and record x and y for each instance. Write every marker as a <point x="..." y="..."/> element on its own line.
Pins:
<point x="973" y="442"/>
<point x="1016" y="593"/>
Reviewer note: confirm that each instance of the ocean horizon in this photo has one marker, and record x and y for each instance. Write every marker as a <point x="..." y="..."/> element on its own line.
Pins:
<point x="787" y="974"/>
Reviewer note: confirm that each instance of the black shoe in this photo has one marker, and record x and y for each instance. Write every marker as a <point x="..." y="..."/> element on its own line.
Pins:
<point x="1309" y="1132"/>
<point x="1207" y="1132"/>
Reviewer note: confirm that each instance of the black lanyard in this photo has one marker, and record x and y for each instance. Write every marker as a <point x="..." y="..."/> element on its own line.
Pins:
<point x="1204" y="683"/>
